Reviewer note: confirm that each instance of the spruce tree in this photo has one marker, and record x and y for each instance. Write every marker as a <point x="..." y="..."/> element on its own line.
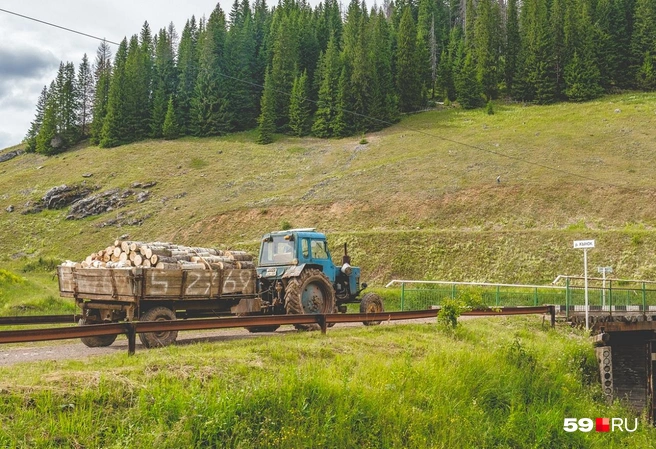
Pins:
<point x="102" y="76"/>
<point x="513" y="44"/>
<point x="188" y="73"/>
<point x="114" y="130"/>
<point x="240" y="56"/>
<point x="85" y="92"/>
<point x="164" y="80"/>
<point x="328" y="104"/>
<point x="266" y="121"/>
<point x="284" y="64"/>
<point x="468" y="87"/>
<point x="211" y="114"/>
<point x="35" y="125"/>
<point x="486" y="46"/>
<point x="581" y="79"/>
<point x="47" y="140"/>
<point x="299" y="107"/>
<point x="643" y="39"/>
<point x="646" y="76"/>
<point x="408" y="84"/>
<point x="170" y="127"/>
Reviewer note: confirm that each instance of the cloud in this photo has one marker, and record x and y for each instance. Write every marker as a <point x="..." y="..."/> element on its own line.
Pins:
<point x="26" y="62"/>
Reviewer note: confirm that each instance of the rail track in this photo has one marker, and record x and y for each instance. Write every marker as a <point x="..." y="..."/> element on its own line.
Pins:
<point x="130" y="329"/>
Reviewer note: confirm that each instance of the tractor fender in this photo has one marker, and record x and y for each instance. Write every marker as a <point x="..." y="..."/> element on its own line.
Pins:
<point x="294" y="271"/>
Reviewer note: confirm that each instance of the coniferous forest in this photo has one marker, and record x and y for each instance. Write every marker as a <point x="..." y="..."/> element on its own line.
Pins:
<point x="331" y="72"/>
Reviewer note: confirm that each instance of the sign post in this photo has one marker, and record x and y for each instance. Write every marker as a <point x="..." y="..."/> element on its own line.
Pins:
<point x="603" y="271"/>
<point x="585" y="245"/>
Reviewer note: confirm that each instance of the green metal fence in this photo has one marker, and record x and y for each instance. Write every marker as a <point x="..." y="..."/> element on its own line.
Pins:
<point x="612" y="296"/>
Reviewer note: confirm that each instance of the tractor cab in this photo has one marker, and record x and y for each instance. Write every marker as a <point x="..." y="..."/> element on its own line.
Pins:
<point x="286" y="254"/>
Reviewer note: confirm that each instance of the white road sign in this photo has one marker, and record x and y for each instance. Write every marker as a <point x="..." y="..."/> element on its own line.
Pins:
<point x="584" y="244"/>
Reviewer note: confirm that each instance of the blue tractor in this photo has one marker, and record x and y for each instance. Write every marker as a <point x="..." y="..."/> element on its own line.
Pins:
<point x="297" y="275"/>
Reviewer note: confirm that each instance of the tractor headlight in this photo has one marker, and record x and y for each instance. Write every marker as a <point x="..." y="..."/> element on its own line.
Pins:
<point x="346" y="269"/>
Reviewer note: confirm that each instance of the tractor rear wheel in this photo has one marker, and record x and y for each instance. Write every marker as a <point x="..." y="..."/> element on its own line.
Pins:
<point x="371" y="303"/>
<point x="158" y="339"/>
<point x="309" y="293"/>
<point x="97" y="341"/>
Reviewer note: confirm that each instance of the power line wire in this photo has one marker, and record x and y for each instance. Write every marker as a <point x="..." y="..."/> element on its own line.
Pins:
<point x="58" y="26"/>
<point x="385" y="122"/>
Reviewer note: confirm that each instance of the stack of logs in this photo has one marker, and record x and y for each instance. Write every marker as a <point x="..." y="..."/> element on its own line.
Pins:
<point x="125" y="254"/>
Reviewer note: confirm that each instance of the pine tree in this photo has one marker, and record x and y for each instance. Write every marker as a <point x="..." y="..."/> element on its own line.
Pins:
<point x="299" y="107"/>
<point x="35" y="125"/>
<point x="408" y="84"/>
<point x="102" y="76"/>
<point x="266" y="121"/>
<point x="170" y="127"/>
<point x="85" y="95"/>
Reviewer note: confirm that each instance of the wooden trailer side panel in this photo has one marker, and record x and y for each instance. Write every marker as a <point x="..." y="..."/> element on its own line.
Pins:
<point x="135" y="284"/>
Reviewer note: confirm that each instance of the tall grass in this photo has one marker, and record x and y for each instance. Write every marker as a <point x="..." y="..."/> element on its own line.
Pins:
<point x="498" y="383"/>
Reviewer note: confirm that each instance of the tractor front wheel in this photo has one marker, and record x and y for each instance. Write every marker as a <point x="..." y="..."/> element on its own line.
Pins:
<point x="371" y="303"/>
<point x="309" y="293"/>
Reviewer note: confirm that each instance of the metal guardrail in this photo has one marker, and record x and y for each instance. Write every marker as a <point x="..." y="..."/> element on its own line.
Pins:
<point x="132" y="328"/>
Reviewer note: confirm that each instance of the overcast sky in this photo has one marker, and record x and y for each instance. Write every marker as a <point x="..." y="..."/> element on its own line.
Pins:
<point x="30" y="52"/>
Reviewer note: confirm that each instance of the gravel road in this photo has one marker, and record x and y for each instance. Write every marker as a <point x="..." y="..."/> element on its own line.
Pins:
<point x="73" y="349"/>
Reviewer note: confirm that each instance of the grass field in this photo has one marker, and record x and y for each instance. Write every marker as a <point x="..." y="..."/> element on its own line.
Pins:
<point x="494" y="383"/>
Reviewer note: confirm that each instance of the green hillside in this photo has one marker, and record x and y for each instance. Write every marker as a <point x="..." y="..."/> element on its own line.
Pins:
<point x="411" y="201"/>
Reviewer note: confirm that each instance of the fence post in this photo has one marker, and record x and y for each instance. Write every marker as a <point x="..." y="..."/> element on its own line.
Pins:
<point x="453" y="291"/>
<point x="322" y="322"/>
<point x="644" y="300"/>
<point x="567" y="298"/>
<point x="610" y="298"/>
<point x="552" y="311"/>
<point x="535" y="297"/>
<point x="497" y="296"/>
<point x="132" y="338"/>
<point x="402" y="295"/>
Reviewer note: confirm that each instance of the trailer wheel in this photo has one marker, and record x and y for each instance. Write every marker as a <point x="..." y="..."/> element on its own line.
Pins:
<point x="97" y="341"/>
<point x="371" y="303"/>
<point x="309" y="293"/>
<point x="158" y="339"/>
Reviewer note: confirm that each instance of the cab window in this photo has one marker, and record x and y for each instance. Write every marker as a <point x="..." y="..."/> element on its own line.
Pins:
<point x="319" y="249"/>
<point x="305" y="248"/>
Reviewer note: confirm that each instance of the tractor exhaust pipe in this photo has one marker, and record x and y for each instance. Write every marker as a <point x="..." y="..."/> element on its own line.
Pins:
<point x="346" y="258"/>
